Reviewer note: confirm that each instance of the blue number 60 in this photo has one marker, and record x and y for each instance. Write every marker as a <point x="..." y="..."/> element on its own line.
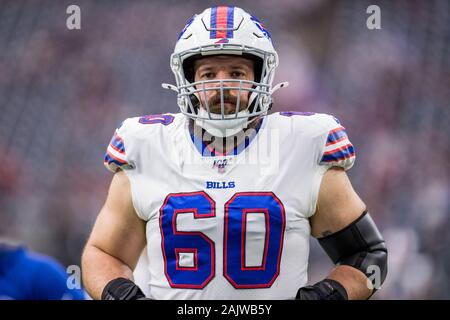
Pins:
<point x="235" y="271"/>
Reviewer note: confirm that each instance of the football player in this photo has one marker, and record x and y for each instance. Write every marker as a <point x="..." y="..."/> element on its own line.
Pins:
<point x="220" y="218"/>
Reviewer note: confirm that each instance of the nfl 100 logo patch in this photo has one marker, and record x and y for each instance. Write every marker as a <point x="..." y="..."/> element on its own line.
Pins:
<point x="220" y="164"/>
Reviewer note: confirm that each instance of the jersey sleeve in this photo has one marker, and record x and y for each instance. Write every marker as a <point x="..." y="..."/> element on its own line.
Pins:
<point x="116" y="156"/>
<point x="337" y="150"/>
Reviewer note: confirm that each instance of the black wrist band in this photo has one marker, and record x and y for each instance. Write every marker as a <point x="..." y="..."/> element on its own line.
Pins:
<point x="338" y="292"/>
<point x="122" y="289"/>
<point x="327" y="289"/>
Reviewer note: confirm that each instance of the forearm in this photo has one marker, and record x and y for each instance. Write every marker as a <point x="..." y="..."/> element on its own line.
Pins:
<point x="99" y="268"/>
<point x="353" y="280"/>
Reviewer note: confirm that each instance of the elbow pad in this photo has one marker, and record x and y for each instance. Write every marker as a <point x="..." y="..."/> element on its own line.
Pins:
<point x="361" y="246"/>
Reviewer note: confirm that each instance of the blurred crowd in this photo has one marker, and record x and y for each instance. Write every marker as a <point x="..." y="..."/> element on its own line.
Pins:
<point x="63" y="92"/>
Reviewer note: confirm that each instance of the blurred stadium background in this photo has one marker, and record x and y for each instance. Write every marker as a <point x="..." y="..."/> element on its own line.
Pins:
<point x="63" y="92"/>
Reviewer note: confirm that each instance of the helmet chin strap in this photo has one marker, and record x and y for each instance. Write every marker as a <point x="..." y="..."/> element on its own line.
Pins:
<point x="222" y="128"/>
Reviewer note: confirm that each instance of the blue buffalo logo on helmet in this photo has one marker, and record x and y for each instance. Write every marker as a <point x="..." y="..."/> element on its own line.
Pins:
<point x="261" y="27"/>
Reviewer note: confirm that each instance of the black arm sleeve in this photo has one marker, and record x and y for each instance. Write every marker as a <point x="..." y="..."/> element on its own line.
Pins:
<point x="359" y="245"/>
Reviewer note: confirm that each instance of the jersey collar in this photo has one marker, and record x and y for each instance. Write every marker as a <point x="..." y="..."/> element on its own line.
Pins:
<point x="208" y="151"/>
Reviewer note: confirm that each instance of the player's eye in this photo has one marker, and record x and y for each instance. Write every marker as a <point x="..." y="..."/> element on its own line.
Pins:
<point x="237" y="74"/>
<point x="207" y="75"/>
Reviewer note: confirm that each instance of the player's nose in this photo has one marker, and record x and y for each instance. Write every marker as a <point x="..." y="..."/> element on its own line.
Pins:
<point x="223" y="75"/>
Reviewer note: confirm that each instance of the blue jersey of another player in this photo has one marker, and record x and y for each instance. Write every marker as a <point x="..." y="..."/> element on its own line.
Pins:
<point x="25" y="275"/>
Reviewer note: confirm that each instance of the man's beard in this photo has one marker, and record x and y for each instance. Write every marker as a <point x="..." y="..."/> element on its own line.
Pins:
<point x="214" y="103"/>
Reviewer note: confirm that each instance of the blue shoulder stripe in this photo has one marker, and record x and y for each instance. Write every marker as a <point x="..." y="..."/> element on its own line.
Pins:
<point x="117" y="144"/>
<point x="111" y="159"/>
<point x="340" y="154"/>
<point x="336" y="135"/>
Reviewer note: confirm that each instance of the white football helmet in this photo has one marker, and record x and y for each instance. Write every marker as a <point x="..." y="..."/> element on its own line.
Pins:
<point x="224" y="31"/>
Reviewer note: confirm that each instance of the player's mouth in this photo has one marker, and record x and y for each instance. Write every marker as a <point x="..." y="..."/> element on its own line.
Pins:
<point x="228" y="107"/>
<point x="229" y="104"/>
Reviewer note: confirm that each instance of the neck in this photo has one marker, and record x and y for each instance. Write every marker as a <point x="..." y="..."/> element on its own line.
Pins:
<point x="223" y="145"/>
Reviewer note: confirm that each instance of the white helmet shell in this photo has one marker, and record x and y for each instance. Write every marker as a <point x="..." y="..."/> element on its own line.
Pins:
<point x="224" y="25"/>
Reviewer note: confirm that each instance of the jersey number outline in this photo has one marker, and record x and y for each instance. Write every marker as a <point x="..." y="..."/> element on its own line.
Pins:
<point x="202" y="248"/>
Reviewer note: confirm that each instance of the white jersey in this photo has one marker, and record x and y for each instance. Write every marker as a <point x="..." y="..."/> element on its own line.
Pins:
<point x="228" y="226"/>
